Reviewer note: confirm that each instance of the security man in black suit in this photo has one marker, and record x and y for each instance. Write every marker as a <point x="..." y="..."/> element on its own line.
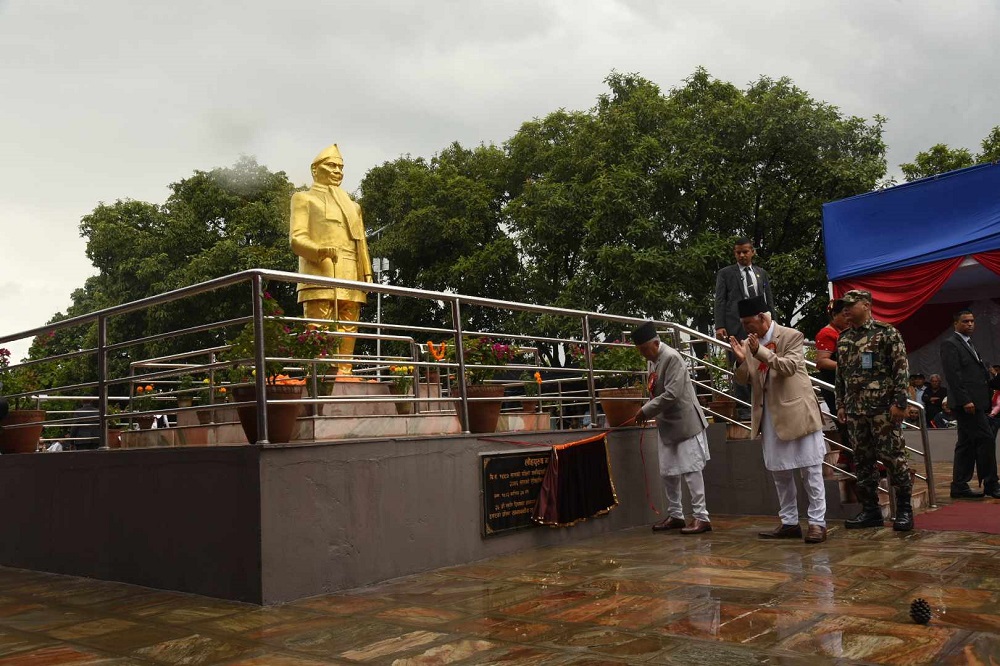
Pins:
<point x="969" y="391"/>
<point x="733" y="284"/>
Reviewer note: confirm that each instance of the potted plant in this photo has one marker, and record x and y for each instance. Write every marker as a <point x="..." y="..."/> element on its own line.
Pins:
<point x="721" y="402"/>
<point x="115" y="429"/>
<point x="22" y="439"/>
<point x="622" y="380"/>
<point x="401" y="383"/>
<point x="532" y="389"/>
<point x="184" y="396"/>
<point x="281" y="340"/>
<point x="484" y="351"/>
<point x="143" y="400"/>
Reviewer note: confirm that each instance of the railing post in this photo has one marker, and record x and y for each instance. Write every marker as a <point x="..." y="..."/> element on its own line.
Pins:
<point x="415" y="355"/>
<point x="456" y="318"/>
<point x="259" y="359"/>
<point x="588" y="353"/>
<point x="102" y="381"/>
<point x="928" y="464"/>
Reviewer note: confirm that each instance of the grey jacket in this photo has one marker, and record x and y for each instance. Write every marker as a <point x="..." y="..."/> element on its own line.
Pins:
<point x="674" y="403"/>
<point x="729" y="292"/>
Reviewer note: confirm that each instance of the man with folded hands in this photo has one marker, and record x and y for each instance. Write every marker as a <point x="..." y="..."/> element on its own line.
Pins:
<point x="785" y="414"/>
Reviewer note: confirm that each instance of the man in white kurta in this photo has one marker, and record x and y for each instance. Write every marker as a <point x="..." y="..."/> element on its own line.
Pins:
<point x="680" y="429"/>
<point x="786" y="415"/>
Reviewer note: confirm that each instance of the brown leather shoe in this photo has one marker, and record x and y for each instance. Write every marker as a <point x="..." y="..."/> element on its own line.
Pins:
<point x="782" y="532"/>
<point x="816" y="534"/>
<point x="669" y="524"/>
<point x="697" y="527"/>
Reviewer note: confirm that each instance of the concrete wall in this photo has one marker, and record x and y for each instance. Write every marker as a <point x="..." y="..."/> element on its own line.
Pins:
<point x="349" y="514"/>
<point x="178" y="519"/>
<point x="278" y="523"/>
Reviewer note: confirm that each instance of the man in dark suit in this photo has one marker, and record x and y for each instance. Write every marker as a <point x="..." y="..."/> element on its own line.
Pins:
<point x="969" y="393"/>
<point x="733" y="284"/>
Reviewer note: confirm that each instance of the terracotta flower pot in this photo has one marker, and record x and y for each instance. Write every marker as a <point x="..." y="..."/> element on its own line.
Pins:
<point x="145" y="422"/>
<point x="114" y="438"/>
<point x="484" y="416"/>
<point x="281" y="419"/>
<point x="616" y="410"/>
<point x="529" y="406"/>
<point x="402" y="407"/>
<point x="21" y="440"/>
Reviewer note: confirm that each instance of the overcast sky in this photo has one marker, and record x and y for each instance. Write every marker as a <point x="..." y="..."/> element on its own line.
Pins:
<point x="104" y="100"/>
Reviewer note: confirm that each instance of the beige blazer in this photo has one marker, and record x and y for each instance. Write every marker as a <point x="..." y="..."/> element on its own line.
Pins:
<point x="790" y="398"/>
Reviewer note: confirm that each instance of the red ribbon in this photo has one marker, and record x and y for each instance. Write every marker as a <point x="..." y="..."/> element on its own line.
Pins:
<point x="763" y="367"/>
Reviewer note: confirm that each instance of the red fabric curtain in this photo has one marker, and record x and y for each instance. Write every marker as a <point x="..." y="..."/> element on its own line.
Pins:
<point x="990" y="260"/>
<point x="897" y="295"/>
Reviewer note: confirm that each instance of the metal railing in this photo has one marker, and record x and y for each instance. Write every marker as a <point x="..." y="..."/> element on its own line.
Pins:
<point x="570" y="386"/>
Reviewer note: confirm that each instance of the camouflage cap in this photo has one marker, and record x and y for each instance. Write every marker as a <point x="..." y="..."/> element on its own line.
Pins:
<point x="855" y="296"/>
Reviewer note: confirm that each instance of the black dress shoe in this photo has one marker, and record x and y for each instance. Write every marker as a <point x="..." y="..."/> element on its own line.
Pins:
<point x="968" y="493"/>
<point x="993" y="492"/>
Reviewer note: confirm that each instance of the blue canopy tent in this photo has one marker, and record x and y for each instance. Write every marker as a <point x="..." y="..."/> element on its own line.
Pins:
<point x="924" y="249"/>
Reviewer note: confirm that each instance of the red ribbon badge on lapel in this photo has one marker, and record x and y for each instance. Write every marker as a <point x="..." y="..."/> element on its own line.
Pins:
<point x="762" y="368"/>
<point x="652" y="382"/>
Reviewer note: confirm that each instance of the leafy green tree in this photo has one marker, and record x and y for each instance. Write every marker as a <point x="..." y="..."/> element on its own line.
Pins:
<point x="212" y="224"/>
<point x="440" y="223"/>
<point x="990" y="147"/>
<point x="939" y="158"/>
<point x="651" y="189"/>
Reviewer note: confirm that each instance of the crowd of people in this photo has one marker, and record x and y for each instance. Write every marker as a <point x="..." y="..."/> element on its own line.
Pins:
<point x="864" y="362"/>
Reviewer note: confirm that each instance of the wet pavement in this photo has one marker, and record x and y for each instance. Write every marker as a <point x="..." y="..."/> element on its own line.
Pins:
<point x="723" y="597"/>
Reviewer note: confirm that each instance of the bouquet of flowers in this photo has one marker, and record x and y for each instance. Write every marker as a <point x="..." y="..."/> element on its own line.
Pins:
<point x="402" y="378"/>
<point x="484" y="351"/>
<point x="532" y="383"/>
<point x="280" y="340"/>
<point x="18" y="380"/>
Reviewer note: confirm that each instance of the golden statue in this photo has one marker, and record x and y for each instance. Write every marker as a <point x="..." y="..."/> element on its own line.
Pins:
<point x="327" y="233"/>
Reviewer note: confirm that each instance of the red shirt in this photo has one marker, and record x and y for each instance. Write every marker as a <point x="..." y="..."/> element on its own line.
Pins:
<point x="826" y="339"/>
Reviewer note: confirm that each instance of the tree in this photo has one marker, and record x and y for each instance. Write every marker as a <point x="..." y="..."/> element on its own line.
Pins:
<point x="938" y="159"/>
<point x="212" y="224"/>
<point x="440" y="224"/>
<point x="651" y="189"/>
<point x="990" y="147"/>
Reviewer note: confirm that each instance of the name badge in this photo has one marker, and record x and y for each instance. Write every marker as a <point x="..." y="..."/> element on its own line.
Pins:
<point x="867" y="360"/>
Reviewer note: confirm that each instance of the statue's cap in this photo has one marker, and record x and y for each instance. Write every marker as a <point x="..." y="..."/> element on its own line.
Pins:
<point x="749" y="307"/>
<point x="327" y="153"/>
<point x="643" y="333"/>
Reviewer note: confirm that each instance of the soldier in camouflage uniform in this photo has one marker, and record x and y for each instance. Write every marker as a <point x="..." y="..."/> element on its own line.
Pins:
<point x="872" y="377"/>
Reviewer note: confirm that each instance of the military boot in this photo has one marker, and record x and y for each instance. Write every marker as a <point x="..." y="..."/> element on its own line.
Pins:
<point x="870" y="516"/>
<point x="903" y="522"/>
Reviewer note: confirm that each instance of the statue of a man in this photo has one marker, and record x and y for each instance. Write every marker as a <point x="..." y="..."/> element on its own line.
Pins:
<point x="327" y="233"/>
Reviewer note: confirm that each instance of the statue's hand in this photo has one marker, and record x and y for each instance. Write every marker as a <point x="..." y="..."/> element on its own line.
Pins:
<point x="328" y="253"/>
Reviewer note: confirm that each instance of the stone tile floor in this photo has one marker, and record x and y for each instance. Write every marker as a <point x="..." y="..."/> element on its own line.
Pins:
<point x="630" y="597"/>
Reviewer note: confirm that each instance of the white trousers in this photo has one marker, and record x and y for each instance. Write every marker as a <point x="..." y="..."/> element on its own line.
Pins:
<point x="696" y="487"/>
<point x="812" y="481"/>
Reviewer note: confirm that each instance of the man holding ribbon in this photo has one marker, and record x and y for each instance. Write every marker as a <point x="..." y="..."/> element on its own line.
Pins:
<point x="785" y="414"/>
<point x="680" y="429"/>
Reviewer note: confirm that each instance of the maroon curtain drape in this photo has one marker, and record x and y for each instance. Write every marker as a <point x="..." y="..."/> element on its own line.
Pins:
<point x="898" y="294"/>
<point x="990" y="260"/>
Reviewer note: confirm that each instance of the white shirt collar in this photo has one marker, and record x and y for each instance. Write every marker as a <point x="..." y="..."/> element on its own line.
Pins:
<point x="766" y="340"/>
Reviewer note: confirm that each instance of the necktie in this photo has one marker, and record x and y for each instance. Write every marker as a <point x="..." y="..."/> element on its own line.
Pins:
<point x="973" y="350"/>
<point x="751" y="292"/>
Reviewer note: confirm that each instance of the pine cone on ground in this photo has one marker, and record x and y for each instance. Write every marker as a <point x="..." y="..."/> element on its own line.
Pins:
<point x="920" y="611"/>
